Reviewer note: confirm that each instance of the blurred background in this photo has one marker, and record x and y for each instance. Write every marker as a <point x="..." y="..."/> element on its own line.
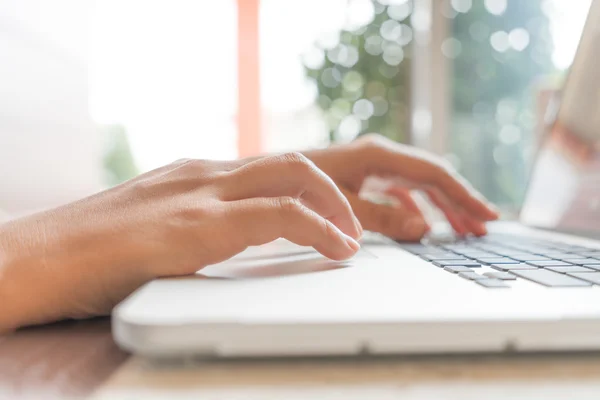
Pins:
<point x="94" y="92"/>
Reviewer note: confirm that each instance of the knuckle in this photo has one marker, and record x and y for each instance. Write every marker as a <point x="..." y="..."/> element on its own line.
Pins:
<point x="371" y="144"/>
<point x="288" y="206"/>
<point x="181" y="161"/>
<point x="297" y="162"/>
<point x="443" y="170"/>
<point x="199" y="172"/>
<point x="193" y="211"/>
<point x="445" y="165"/>
<point x="371" y="140"/>
<point x="195" y="165"/>
<point x="145" y="188"/>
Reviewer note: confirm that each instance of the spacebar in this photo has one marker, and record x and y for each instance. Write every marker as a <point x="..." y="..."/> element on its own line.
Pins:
<point x="549" y="278"/>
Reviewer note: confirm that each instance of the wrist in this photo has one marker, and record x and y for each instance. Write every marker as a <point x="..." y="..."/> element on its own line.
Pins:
<point x="17" y="292"/>
<point x="53" y="266"/>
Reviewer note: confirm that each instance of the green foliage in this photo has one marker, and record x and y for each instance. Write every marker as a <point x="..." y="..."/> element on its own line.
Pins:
<point x="491" y="91"/>
<point x="493" y="123"/>
<point x="364" y="65"/>
<point x="498" y="74"/>
<point x="118" y="160"/>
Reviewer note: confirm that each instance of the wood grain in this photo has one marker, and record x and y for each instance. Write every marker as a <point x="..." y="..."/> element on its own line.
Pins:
<point x="531" y="377"/>
<point x="64" y="360"/>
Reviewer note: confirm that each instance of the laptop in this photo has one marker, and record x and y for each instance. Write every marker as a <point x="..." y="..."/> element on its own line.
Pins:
<point x="527" y="286"/>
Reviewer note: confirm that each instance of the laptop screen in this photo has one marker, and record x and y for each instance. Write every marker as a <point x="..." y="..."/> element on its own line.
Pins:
<point x="564" y="190"/>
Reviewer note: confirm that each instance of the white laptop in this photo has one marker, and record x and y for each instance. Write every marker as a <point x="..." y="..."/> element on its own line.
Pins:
<point x="527" y="286"/>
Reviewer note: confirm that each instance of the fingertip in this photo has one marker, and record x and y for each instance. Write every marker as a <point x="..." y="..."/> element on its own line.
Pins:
<point x="415" y="228"/>
<point x="480" y="230"/>
<point x="495" y="212"/>
<point x="348" y="225"/>
<point x="346" y="249"/>
<point x="490" y="210"/>
<point x="352" y="244"/>
<point x="359" y="228"/>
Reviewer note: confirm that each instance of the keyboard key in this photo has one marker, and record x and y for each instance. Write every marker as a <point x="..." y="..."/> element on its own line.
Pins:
<point x="496" y="260"/>
<point x="477" y="254"/>
<point x="593" y="254"/>
<point x="456" y="248"/>
<point x="477" y="257"/>
<point x="593" y="277"/>
<point x="592" y="261"/>
<point x="551" y="263"/>
<point x="540" y="251"/>
<point x="504" y="276"/>
<point x="441" y="256"/>
<point x="573" y="268"/>
<point x="471" y="276"/>
<point x="569" y="255"/>
<point x="460" y="268"/>
<point x="574" y="249"/>
<point x="559" y="255"/>
<point x="465" y="262"/>
<point x="592" y="266"/>
<point x="492" y="283"/>
<point x="417" y="248"/>
<point x="581" y="261"/>
<point x="509" y="252"/>
<point x="512" y="267"/>
<point x="528" y="257"/>
<point x="550" y="278"/>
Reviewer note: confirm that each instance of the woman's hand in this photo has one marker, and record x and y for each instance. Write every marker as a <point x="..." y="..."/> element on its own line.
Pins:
<point x="406" y="168"/>
<point x="82" y="259"/>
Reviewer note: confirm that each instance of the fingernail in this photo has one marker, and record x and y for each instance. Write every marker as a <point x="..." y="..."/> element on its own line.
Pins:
<point x="353" y="244"/>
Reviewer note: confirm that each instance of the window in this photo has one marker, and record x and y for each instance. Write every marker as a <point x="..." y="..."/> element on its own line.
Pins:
<point x="159" y="80"/>
<point x="504" y="55"/>
<point x="467" y="79"/>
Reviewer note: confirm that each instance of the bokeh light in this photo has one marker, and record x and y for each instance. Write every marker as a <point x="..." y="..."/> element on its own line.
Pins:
<point x="499" y="51"/>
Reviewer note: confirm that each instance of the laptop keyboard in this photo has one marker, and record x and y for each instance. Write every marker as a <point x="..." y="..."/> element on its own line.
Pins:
<point x="548" y="263"/>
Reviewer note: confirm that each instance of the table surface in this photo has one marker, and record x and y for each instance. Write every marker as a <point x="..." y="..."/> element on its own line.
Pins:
<point x="79" y="359"/>
<point x="66" y="359"/>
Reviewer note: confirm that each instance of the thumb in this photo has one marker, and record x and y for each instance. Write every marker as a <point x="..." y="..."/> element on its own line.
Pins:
<point x="395" y="221"/>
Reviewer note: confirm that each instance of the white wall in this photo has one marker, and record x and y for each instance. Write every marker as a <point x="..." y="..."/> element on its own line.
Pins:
<point x="50" y="151"/>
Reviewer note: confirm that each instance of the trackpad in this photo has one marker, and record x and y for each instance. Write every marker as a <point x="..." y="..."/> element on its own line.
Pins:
<point x="279" y="258"/>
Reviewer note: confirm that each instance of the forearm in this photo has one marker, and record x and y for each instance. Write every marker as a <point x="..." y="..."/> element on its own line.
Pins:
<point x="26" y="278"/>
<point x="51" y="269"/>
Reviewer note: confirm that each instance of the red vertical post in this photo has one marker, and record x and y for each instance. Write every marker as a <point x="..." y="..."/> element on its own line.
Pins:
<point x="249" y="110"/>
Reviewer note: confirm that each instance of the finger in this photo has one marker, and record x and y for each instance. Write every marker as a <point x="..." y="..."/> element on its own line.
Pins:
<point x="460" y="221"/>
<point x="295" y="176"/>
<point x="424" y="169"/>
<point x="397" y="222"/>
<point x="404" y="196"/>
<point x="475" y="226"/>
<point x="262" y="220"/>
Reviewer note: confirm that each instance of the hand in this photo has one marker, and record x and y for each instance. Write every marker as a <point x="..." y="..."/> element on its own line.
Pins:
<point x="82" y="259"/>
<point x="406" y="168"/>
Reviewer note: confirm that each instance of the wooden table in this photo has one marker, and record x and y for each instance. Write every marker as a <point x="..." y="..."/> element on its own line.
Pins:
<point x="67" y="359"/>
<point x="79" y="359"/>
